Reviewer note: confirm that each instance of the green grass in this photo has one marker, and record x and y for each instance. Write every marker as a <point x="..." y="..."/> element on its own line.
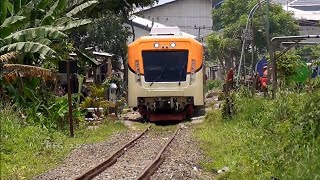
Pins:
<point x="30" y="150"/>
<point x="266" y="138"/>
<point x="213" y="84"/>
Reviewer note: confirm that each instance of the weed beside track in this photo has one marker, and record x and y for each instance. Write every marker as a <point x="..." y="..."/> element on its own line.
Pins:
<point x="265" y="138"/>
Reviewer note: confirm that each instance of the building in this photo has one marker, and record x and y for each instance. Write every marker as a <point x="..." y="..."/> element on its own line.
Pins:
<point x="191" y="16"/>
<point x="307" y="12"/>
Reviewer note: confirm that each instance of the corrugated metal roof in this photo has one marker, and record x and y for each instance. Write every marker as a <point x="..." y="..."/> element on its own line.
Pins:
<point x="305" y="3"/>
<point x="160" y="3"/>
<point x="147" y="23"/>
<point x="305" y="9"/>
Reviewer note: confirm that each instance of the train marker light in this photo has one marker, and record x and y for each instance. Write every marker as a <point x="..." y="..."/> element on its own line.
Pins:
<point x="173" y="45"/>
<point x="193" y="68"/>
<point x="156" y="45"/>
<point x="137" y="70"/>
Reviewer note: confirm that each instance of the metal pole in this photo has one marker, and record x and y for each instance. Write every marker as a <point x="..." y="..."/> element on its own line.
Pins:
<point x="250" y="16"/>
<point x="199" y="34"/>
<point x="252" y="60"/>
<point x="69" y="100"/>
<point x="271" y="53"/>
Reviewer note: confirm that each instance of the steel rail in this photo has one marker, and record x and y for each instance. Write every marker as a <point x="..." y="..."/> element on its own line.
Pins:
<point x="111" y="159"/>
<point x="155" y="164"/>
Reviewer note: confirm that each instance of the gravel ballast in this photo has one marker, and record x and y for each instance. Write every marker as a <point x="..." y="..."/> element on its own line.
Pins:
<point x="136" y="159"/>
<point x="182" y="158"/>
<point x="87" y="156"/>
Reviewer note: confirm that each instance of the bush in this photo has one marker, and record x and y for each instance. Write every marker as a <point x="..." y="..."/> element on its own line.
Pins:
<point x="211" y="84"/>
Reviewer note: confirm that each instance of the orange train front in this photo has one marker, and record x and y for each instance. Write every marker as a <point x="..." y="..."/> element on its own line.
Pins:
<point x="166" y="75"/>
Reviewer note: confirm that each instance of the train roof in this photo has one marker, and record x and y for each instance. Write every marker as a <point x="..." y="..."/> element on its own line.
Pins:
<point x="163" y="33"/>
<point x="163" y="38"/>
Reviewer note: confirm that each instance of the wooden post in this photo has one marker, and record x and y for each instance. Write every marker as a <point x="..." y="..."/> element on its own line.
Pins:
<point x="109" y="68"/>
<point x="69" y="100"/>
<point x="274" y="73"/>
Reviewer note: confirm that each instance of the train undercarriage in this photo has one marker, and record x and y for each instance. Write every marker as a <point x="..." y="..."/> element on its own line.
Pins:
<point x="155" y="109"/>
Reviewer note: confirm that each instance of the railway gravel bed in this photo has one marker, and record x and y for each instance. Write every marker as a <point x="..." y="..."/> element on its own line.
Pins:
<point x="136" y="159"/>
<point x="87" y="156"/>
<point x="182" y="158"/>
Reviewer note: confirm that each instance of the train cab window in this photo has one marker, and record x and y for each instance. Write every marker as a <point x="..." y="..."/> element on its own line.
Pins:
<point x="165" y="66"/>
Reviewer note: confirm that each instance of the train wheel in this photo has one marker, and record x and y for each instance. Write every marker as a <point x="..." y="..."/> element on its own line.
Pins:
<point x="199" y="111"/>
<point x="145" y="119"/>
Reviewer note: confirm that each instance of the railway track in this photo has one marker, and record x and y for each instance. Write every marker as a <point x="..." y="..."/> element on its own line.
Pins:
<point x="139" y="159"/>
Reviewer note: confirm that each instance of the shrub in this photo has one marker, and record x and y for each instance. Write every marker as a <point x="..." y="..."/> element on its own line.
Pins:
<point x="211" y="84"/>
<point x="266" y="138"/>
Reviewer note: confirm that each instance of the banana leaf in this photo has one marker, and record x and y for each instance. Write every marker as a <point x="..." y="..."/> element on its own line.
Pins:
<point x="73" y="24"/>
<point x="34" y="33"/>
<point x="11" y="24"/>
<point x="31" y="47"/>
<point x="58" y="7"/>
<point x="81" y="8"/>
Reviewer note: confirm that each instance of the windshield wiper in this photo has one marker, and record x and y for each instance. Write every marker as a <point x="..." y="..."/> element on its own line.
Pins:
<point x="181" y="72"/>
<point x="164" y="67"/>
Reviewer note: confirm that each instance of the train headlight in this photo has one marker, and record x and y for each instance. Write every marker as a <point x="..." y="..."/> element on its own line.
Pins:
<point x="156" y="45"/>
<point x="173" y="45"/>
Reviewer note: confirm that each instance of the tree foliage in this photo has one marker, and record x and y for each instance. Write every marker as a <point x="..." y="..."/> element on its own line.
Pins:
<point x="288" y="64"/>
<point x="309" y="53"/>
<point x="232" y="18"/>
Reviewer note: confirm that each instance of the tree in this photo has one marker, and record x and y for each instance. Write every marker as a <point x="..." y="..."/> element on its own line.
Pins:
<point x="107" y="32"/>
<point x="309" y="53"/>
<point x="232" y="18"/>
<point x="223" y="50"/>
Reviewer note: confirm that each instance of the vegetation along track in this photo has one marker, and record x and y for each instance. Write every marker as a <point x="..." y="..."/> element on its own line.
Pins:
<point x="138" y="159"/>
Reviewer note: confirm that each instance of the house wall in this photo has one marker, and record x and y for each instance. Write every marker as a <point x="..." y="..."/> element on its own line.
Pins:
<point x="310" y="30"/>
<point x="138" y="31"/>
<point x="189" y="15"/>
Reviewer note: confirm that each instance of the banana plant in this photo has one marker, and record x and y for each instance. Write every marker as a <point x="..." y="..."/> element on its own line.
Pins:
<point x="30" y="26"/>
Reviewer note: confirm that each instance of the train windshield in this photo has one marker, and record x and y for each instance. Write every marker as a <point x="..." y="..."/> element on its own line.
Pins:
<point x="165" y="66"/>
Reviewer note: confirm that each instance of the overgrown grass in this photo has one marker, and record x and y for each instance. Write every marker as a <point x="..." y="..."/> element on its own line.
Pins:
<point x="266" y="138"/>
<point x="30" y="150"/>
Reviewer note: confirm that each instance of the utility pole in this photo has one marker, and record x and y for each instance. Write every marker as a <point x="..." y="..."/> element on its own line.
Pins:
<point x="271" y="53"/>
<point x="199" y="32"/>
<point x="269" y="45"/>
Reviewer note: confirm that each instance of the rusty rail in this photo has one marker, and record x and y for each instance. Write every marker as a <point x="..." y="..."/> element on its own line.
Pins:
<point x="111" y="160"/>
<point x="153" y="167"/>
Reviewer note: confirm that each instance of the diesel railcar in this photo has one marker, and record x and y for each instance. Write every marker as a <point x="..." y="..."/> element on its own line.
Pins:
<point x="165" y="75"/>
